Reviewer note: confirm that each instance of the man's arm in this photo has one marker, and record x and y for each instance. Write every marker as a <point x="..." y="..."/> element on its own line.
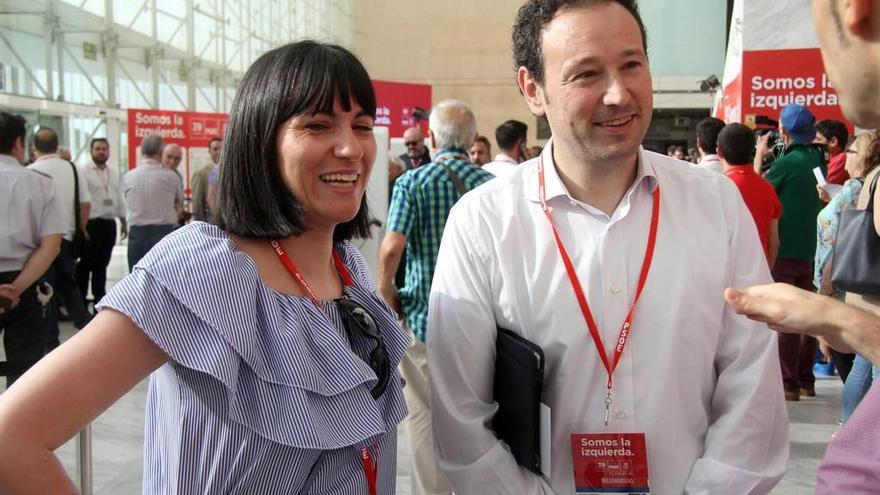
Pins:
<point x="461" y="362"/>
<point x="85" y="209"/>
<point x="761" y="149"/>
<point x="199" y="193"/>
<point x="773" y="242"/>
<point x="390" y="254"/>
<point x="743" y="455"/>
<point x="178" y="196"/>
<point x="123" y="227"/>
<point x="36" y="264"/>
<point x="788" y="309"/>
<point x="401" y="215"/>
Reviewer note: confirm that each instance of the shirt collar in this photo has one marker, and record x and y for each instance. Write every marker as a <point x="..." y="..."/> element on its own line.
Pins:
<point x="710" y="158"/>
<point x="450" y="154"/>
<point x="740" y="170"/>
<point x="51" y="156"/>
<point x="503" y="157"/>
<point x="555" y="188"/>
<point x="149" y="162"/>
<point x="9" y="160"/>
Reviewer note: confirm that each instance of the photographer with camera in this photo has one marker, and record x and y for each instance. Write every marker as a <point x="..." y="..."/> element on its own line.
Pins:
<point x="791" y="174"/>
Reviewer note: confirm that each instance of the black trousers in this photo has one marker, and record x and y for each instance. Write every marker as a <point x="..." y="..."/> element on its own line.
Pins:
<point x="61" y="277"/>
<point x="96" y="258"/>
<point x="142" y="238"/>
<point x="24" y="332"/>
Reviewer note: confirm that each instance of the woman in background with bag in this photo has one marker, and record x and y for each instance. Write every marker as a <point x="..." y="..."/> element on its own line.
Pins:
<point x="863" y="158"/>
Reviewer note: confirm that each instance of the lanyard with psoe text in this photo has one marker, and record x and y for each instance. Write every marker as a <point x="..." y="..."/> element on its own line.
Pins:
<point x="371" y="469"/>
<point x="288" y="263"/>
<point x="610" y="366"/>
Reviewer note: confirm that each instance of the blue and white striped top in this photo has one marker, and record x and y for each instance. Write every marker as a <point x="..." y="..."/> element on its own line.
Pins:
<point x="263" y="392"/>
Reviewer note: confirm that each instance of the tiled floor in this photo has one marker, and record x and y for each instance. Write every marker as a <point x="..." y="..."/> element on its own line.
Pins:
<point x="117" y="436"/>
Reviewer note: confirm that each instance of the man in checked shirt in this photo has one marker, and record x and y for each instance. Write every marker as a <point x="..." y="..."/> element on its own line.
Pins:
<point x="154" y="197"/>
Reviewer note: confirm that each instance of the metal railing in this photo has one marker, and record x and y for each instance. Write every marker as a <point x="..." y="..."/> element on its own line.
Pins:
<point x="84" y="460"/>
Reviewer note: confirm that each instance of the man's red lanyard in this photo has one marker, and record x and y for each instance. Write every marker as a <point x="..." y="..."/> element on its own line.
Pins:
<point x="288" y="263"/>
<point x="610" y="366"/>
<point x="371" y="469"/>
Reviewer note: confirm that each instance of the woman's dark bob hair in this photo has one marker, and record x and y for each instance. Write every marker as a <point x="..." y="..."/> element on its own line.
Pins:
<point x="300" y="78"/>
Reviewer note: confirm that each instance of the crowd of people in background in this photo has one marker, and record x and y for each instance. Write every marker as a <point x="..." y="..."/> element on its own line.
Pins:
<point x="98" y="205"/>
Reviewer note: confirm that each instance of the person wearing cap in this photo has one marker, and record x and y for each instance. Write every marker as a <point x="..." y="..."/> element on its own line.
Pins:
<point x="792" y="176"/>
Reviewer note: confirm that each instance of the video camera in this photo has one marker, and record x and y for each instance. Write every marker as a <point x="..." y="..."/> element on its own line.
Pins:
<point x="765" y="125"/>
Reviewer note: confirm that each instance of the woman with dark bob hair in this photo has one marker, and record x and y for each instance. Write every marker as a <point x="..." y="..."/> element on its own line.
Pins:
<point x="274" y="363"/>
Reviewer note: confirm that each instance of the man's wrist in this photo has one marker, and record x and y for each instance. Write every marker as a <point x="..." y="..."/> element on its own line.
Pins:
<point x="15" y="288"/>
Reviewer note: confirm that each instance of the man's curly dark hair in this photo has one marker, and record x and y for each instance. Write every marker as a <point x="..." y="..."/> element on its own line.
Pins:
<point x="534" y="16"/>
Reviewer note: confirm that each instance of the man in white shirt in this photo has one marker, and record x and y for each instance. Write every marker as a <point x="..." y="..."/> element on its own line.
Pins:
<point x="696" y="384"/>
<point x="68" y="183"/>
<point x="511" y="139"/>
<point x="103" y="184"/>
<point x="707" y="143"/>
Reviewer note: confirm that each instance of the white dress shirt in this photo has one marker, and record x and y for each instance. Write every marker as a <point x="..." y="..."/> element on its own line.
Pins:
<point x="62" y="172"/>
<point x="502" y="166"/>
<point x="700" y="381"/>
<point x="104" y="187"/>
<point x="712" y="162"/>
<point x="29" y="211"/>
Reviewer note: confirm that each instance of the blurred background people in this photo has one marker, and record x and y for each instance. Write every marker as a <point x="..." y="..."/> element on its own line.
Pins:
<point x="480" y="152"/>
<point x="154" y="197"/>
<point x="75" y="200"/>
<point x="707" y="143"/>
<point x="31" y="239"/>
<point x="417" y="153"/>
<point x="511" y="138"/>
<point x="105" y="189"/>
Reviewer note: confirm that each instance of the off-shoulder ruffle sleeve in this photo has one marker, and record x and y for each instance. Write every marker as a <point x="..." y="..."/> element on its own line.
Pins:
<point x="289" y="374"/>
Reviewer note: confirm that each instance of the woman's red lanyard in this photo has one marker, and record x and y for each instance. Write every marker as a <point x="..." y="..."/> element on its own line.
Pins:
<point x="579" y="293"/>
<point x="288" y="263"/>
<point x="371" y="470"/>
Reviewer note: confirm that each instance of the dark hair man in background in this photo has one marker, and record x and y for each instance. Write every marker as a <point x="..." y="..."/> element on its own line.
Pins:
<point x="835" y="136"/>
<point x="736" y="149"/>
<point x="511" y="139"/>
<point x="707" y="143"/>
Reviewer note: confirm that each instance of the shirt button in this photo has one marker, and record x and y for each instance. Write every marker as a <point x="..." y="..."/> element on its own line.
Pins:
<point x="615" y="289"/>
<point x="621" y="415"/>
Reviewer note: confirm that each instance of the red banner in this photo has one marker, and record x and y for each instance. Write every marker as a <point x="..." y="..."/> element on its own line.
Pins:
<point x="191" y="130"/>
<point x="395" y="103"/>
<point x="771" y="79"/>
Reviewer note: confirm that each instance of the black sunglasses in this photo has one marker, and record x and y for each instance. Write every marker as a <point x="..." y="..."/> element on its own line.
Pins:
<point x="356" y="318"/>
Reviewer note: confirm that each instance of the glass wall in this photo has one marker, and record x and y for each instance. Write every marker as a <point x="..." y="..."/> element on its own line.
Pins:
<point x="686" y="37"/>
<point x="163" y="54"/>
